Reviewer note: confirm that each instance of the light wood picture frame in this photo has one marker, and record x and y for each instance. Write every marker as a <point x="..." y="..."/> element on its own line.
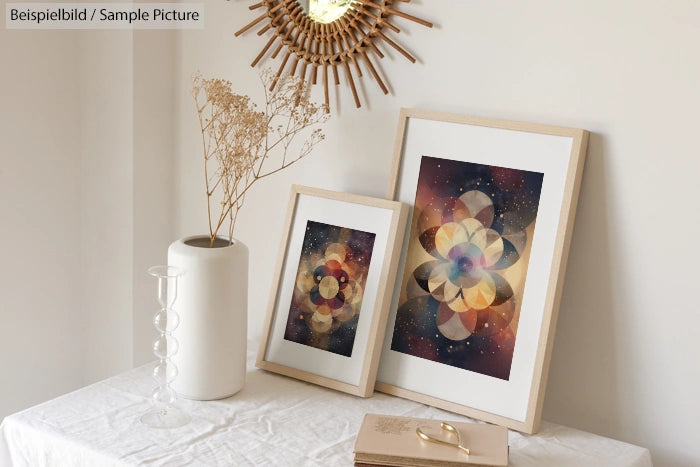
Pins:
<point x="332" y="289"/>
<point x="480" y="277"/>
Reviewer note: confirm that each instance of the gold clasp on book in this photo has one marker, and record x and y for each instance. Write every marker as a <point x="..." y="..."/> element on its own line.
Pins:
<point x="446" y="427"/>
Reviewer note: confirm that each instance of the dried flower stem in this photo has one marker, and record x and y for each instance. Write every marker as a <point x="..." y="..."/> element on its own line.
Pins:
<point x="238" y="140"/>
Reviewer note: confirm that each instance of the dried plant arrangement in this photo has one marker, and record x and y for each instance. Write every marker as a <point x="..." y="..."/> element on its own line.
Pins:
<point x="243" y="144"/>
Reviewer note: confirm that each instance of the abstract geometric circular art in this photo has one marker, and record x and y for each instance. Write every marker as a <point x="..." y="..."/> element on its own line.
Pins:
<point x="466" y="264"/>
<point x="329" y="287"/>
<point x="342" y="44"/>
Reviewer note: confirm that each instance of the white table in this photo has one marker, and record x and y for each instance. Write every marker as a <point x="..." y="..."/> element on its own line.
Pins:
<point x="274" y="420"/>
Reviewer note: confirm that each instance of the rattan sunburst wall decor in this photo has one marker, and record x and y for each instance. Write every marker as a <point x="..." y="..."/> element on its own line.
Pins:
<point x="329" y="41"/>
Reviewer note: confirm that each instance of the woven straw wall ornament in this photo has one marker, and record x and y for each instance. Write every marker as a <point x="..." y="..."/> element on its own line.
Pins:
<point x="342" y="44"/>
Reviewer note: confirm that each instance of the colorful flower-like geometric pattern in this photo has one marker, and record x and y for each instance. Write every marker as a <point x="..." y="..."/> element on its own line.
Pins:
<point x="466" y="276"/>
<point x="329" y="289"/>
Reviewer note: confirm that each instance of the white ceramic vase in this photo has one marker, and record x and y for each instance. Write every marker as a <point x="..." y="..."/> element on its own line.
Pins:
<point x="212" y="300"/>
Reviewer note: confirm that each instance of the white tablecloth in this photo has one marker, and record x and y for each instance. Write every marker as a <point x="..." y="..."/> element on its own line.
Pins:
<point x="274" y="420"/>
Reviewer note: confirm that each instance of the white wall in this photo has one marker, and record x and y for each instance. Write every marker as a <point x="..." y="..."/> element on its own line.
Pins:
<point x="106" y="117"/>
<point x="624" y="362"/>
<point x="85" y="205"/>
<point x="153" y="168"/>
<point x="65" y="191"/>
<point x="39" y="218"/>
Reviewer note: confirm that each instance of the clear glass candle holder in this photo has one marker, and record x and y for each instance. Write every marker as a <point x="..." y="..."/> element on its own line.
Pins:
<point x="166" y="320"/>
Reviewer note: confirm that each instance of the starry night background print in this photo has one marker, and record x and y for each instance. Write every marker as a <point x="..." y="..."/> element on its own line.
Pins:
<point x="329" y="287"/>
<point x="466" y="264"/>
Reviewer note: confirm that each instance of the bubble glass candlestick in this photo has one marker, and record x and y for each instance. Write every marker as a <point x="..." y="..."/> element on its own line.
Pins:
<point x="166" y="320"/>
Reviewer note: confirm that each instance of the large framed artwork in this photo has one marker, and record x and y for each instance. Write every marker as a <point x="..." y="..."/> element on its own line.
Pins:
<point x="332" y="289"/>
<point x="480" y="275"/>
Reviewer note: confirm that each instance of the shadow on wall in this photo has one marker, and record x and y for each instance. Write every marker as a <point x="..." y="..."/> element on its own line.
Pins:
<point x="583" y="387"/>
<point x="591" y="385"/>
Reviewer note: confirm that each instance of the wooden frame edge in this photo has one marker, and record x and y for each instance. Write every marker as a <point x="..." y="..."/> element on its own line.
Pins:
<point x="451" y="406"/>
<point x="574" y="175"/>
<point x="579" y="147"/>
<point x="370" y="363"/>
<point x="405" y="114"/>
<point x="386" y="293"/>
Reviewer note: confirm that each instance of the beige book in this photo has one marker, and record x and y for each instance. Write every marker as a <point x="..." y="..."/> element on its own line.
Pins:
<point x="387" y="440"/>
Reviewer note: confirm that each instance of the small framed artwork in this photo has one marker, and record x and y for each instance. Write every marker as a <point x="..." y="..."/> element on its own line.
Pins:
<point x="332" y="289"/>
<point x="481" y="270"/>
